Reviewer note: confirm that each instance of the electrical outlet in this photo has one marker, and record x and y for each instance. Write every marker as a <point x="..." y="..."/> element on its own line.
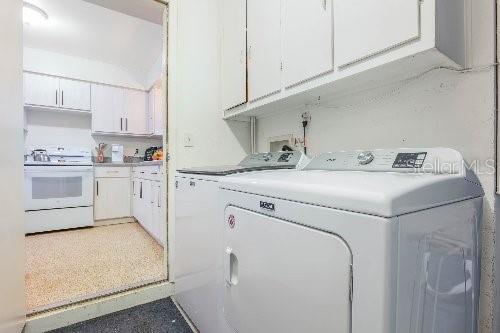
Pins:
<point x="188" y="140"/>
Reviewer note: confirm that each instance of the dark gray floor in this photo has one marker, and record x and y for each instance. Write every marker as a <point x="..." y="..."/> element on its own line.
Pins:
<point x="157" y="317"/>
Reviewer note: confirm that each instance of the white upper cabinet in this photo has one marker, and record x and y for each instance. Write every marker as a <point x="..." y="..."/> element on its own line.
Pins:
<point x="119" y="111"/>
<point x="364" y="28"/>
<point x="41" y="90"/>
<point x="264" y="50"/>
<point x="158" y="117"/>
<point x="307" y="39"/>
<point x="135" y="117"/>
<point x="74" y="94"/>
<point x="299" y="50"/>
<point x="155" y="111"/>
<point x="107" y="109"/>
<point x="54" y="92"/>
<point x="234" y="54"/>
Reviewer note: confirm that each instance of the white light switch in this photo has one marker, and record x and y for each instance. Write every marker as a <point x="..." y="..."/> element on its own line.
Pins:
<point x="188" y="140"/>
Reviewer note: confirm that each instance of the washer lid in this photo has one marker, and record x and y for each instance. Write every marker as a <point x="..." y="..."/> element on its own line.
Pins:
<point x="379" y="192"/>
<point x="254" y="162"/>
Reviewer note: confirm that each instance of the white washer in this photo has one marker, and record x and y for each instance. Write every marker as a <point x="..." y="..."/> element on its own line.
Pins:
<point x="381" y="242"/>
<point x="197" y="264"/>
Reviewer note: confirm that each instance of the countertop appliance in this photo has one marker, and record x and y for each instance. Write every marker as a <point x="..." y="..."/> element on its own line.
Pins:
<point x="117" y="153"/>
<point x="383" y="241"/>
<point x="198" y="235"/>
<point x="148" y="154"/>
<point x="58" y="192"/>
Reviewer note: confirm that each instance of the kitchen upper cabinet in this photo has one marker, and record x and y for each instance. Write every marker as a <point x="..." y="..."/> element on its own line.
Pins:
<point x="307" y="39"/>
<point x="135" y="114"/>
<point x="119" y="110"/>
<point x="112" y="198"/>
<point x="41" y="90"/>
<point x="264" y="47"/>
<point x="74" y="94"/>
<point x="155" y="111"/>
<point x="364" y="28"/>
<point x="107" y="109"/>
<point x="49" y="91"/>
<point x="234" y="53"/>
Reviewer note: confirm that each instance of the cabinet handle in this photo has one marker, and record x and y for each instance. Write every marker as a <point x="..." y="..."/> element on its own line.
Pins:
<point x="56" y="97"/>
<point x="97" y="185"/>
<point x="62" y="97"/>
<point x="121" y="124"/>
<point x="133" y="188"/>
<point x="126" y="124"/>
<point x="159" y="196"/>
<point x="140" y="191"/>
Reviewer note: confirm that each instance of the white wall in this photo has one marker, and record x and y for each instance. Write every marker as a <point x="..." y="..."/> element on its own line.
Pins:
<point x="12" y="299"/>
<point x="47" y="62"/>
<point x="194" y="89"/>
<point x="441" y="109"/>
<point x="49" y="128"/>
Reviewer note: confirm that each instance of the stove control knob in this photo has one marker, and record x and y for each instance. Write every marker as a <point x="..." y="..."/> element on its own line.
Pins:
<point x="365" y="157"/>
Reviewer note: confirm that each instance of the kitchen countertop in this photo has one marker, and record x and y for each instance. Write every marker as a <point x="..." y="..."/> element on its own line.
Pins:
<point x="123" y="164"/>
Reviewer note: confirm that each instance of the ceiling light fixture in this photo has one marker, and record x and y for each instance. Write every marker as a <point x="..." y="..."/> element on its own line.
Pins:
<point x="33" y="15"/>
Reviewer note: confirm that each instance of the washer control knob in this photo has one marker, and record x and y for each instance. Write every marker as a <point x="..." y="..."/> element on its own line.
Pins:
<point x="365" y="157"/>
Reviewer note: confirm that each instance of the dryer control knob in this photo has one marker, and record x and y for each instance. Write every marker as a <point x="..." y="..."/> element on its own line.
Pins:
<point x="365" y="157"/>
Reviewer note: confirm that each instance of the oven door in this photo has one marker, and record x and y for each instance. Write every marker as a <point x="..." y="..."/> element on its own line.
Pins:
<point x="48" y="187"/>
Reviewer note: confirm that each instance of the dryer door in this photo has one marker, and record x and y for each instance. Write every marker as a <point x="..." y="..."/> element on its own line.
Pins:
<point x="283" y="277"/>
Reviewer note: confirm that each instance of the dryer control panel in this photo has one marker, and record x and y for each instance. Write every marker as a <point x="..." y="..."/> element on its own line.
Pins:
<point x="426" y="160"/>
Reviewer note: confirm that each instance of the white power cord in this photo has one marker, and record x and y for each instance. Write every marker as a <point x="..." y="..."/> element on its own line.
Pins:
<point x="405" y="83"/>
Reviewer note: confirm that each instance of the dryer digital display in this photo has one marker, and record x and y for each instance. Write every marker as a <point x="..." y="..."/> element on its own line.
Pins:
<point x="409" y="160"/>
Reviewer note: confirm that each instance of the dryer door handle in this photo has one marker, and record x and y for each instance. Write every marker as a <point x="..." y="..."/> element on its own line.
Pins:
<point x="230" y="267"/>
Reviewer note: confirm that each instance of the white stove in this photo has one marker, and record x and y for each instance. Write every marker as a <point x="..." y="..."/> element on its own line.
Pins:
<point x="59" y="192"/>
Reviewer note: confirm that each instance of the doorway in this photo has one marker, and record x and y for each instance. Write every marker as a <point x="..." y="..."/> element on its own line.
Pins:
<point x="108" y="61"/>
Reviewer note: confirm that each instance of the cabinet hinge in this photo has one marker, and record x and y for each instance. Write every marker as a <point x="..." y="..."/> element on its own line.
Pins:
<point x="282" y="67"/>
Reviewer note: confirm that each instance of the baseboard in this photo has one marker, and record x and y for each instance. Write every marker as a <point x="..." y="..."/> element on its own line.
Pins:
<point x="185" y="316"/>
<point x="98" y="307"/>
<point x="102" y="223"/>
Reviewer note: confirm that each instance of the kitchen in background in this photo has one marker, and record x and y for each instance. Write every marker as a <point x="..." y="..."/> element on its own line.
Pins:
<point x="94" y="195"/>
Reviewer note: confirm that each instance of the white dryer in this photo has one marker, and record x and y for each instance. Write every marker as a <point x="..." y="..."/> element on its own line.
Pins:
<point x="197" y="262"/>
<point x="381" y="242"/>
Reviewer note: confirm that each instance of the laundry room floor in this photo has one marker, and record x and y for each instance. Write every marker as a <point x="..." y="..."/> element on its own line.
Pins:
<point x="64" y="267"/>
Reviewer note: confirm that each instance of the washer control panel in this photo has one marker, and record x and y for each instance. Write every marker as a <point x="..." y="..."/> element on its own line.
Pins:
<point x="365" y="157"/>
<point x="409" y="160"/>
<point x="429" y="160"/>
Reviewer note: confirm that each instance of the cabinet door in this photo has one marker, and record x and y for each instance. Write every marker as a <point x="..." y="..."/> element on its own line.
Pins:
<point x="107" y="105"/>
<point x="135" y="112"/>
<point x="100" y="199"/>
<point x="151" y="111"/>
<point x="158" y="112"/>
<point x="145" y="216"/>
<point x="112" y="198"/>
<point x="155" y="210"/>
<point x="364" y="28"/>
<point x="234" y="54"/>
<point x="41" y="90"/>
<point x="307" y="40"/>
<point x="135" y="197"/>
<point x="120" y="197"/>
<point x="74" y="94"/>
<point x="264" y="48"/>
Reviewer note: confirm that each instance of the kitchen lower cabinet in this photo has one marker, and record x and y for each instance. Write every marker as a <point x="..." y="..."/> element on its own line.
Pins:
<point x="111" y="198"/>
<point x="148" y="201"/>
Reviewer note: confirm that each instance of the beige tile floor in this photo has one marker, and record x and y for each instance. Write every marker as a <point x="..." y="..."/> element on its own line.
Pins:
<point x="69" y="266"/>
